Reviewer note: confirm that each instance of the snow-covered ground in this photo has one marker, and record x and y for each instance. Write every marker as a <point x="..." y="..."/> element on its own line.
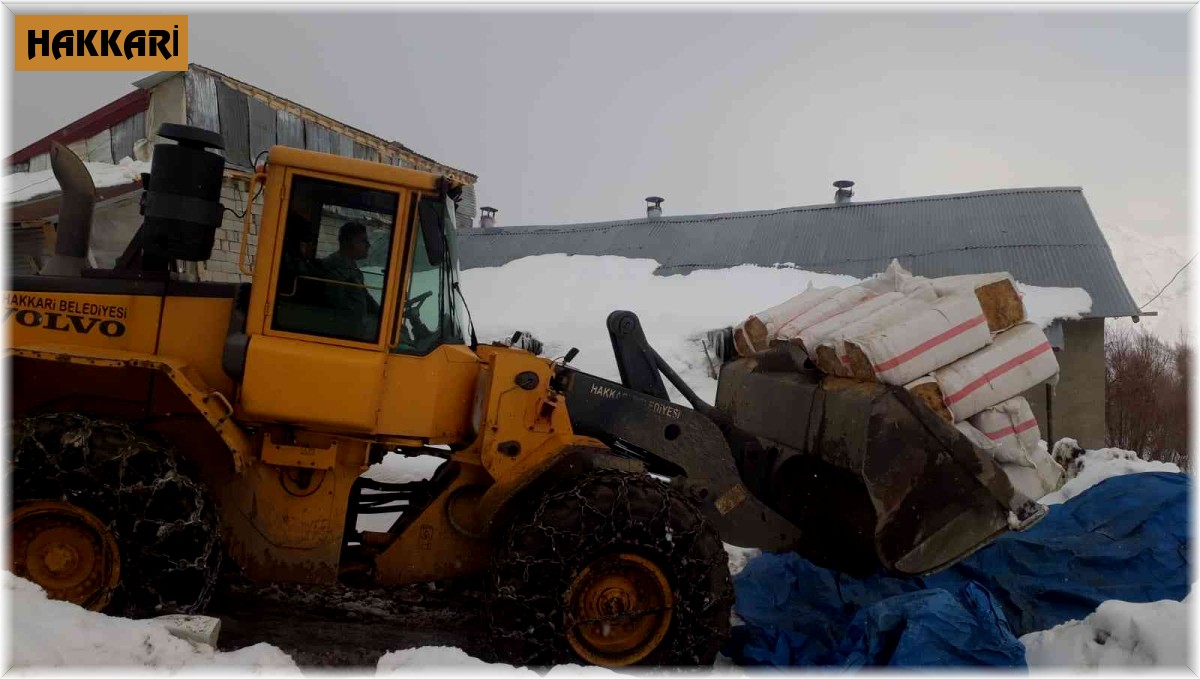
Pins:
<point x="50" y="634"/>
<point x="1101" y="464"/>
<point x="1118" y="634"/>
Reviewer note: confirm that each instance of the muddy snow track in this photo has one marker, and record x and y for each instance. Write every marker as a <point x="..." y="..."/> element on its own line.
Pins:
<point x="337" y="626"/>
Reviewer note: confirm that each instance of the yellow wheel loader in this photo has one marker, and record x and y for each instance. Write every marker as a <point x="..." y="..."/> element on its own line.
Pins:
<point x="160" y="425"/>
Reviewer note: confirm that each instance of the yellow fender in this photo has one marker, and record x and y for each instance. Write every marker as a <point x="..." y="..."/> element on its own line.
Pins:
<point x="209" y="402"/>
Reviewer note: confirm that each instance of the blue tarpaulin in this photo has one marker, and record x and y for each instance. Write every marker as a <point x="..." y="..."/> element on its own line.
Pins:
<point x="1125" y="538"/>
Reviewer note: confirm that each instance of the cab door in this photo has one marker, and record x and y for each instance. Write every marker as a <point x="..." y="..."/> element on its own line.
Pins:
<point x="316" y="356"/>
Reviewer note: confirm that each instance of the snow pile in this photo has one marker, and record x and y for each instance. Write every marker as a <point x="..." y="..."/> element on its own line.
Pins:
<point x="564" y="301"/>
<point x="1096" y="465"/>
<point x="1118" y="634"/>
<point x="413" y="659"/>
<point x="60" y="634"/>
<point x="22" y="186"/>
<point x="1045" y="305"/>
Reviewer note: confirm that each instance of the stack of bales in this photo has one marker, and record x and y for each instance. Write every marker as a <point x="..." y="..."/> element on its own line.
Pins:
<point x="960" y="344"/>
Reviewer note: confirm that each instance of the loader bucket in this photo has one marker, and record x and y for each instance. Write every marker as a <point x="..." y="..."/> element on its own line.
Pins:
<point x="870" y="475"/>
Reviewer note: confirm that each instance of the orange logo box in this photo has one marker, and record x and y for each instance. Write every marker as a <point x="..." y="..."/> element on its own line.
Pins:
<point x="115" y="42"/>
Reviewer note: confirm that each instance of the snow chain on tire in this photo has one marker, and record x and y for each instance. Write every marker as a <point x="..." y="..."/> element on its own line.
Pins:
<point x="600" y="514"/>
<point x="164" y="522"/>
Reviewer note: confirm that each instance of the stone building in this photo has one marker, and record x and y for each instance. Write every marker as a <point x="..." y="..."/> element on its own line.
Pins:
<point x="250" y="120"/>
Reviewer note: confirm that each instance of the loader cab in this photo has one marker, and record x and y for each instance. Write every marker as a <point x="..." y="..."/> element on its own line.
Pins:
<point x="336" y="261"/>
<point x="354" y="303"/>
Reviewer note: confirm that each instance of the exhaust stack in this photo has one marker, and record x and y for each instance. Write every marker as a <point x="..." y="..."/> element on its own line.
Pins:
<point x="78" y="198"/>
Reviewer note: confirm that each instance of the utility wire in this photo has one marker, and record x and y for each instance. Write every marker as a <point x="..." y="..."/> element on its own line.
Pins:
<point x="1164" y="288"/>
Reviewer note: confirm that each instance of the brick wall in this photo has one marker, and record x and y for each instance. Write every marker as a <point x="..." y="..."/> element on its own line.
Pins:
<point x="222" y="267"/>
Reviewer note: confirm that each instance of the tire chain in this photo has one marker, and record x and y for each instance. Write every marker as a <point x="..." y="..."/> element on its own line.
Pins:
<point x="163" y="520"/>
<point x="601" y="513"/>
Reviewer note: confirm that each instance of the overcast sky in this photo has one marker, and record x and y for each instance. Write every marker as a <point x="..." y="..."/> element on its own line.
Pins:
<point x="576" y="115"/>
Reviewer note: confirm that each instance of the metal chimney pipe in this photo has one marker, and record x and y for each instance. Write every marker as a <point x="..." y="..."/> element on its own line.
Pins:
<point x="488" y="219"/>
<point x="845" y="190"/>
<point x="654" y="207"/>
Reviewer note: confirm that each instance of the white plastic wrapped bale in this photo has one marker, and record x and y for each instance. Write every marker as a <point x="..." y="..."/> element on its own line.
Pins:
<point x="951" y="328"/>
<point x="843" y="300"/>
<point x="1012" y="427"/>
<point x="756" y="332"/>
<point x="1034" y="476"/>
<point x="812" y="336"/>
<point x="831" y="353"/>
<point x="997" y="294"/>
<point x="1018" y="360"/>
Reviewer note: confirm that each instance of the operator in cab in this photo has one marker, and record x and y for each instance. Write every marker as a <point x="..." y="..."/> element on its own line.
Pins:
<point x="351" y="294"/>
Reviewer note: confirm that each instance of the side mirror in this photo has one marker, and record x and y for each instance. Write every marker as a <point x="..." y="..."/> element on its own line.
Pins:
<point x="431" y="229"/>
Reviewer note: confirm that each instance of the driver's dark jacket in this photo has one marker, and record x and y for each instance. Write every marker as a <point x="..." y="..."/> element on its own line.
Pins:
<point x="351" y="298"/>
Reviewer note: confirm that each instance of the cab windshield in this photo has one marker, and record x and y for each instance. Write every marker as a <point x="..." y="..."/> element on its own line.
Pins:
<point x="432" y="310"/>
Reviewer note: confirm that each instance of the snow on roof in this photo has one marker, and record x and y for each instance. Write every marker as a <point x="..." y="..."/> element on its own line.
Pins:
<point x="20" y="187"/>
<point x="1045" y="236"/>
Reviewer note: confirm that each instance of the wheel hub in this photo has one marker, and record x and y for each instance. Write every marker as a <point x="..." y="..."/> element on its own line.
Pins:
<point x="67" y="551"/>
<point x="618" y="610"/>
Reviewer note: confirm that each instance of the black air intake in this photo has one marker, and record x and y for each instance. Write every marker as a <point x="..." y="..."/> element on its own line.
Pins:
<point x="181" y="206"/>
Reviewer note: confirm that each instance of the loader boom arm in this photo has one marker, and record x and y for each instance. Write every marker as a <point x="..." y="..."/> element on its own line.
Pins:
<point x="690" y="445"/>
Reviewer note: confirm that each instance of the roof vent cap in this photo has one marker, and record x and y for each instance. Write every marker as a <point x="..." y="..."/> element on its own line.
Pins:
<point x="488" y="219"/>
<point x="654" y="207"/>
<point x="845" y="190"/>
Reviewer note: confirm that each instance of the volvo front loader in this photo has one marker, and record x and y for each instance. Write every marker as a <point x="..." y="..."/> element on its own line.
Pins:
<point x="160" y="425"/>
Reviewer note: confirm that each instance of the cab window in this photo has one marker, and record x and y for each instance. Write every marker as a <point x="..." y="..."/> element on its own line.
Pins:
<point x="333" y="268"/>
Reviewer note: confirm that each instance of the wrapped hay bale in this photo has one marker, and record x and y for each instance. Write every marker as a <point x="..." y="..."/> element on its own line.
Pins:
<point x="812" y="336"/>
<point x="1040" y="476"/>
<point x="755" y="333"/>
<point x="975" y="436"/>
<point x="831" y="353"/>
<point x="1016" y="361"/>
<point x="926" y="390"/>
<point x="997" y="294"/>
<point x="948" y="330"/>
<point x="1012" y="427"/>
<point x="837" y="303"/>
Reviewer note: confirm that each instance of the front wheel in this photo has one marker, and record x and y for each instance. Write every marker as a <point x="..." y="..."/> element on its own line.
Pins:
<point x="611" y="569"/>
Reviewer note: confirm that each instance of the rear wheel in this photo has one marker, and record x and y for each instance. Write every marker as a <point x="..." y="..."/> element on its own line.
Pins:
<point x="107" y="517"/>
<point x="611" y="569"/>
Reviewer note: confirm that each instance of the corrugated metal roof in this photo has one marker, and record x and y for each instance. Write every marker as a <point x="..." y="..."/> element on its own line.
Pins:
<point x="1043" y="236"/>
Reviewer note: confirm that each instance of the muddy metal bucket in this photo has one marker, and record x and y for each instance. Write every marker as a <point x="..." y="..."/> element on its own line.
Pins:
<point x="869" y="474"/>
